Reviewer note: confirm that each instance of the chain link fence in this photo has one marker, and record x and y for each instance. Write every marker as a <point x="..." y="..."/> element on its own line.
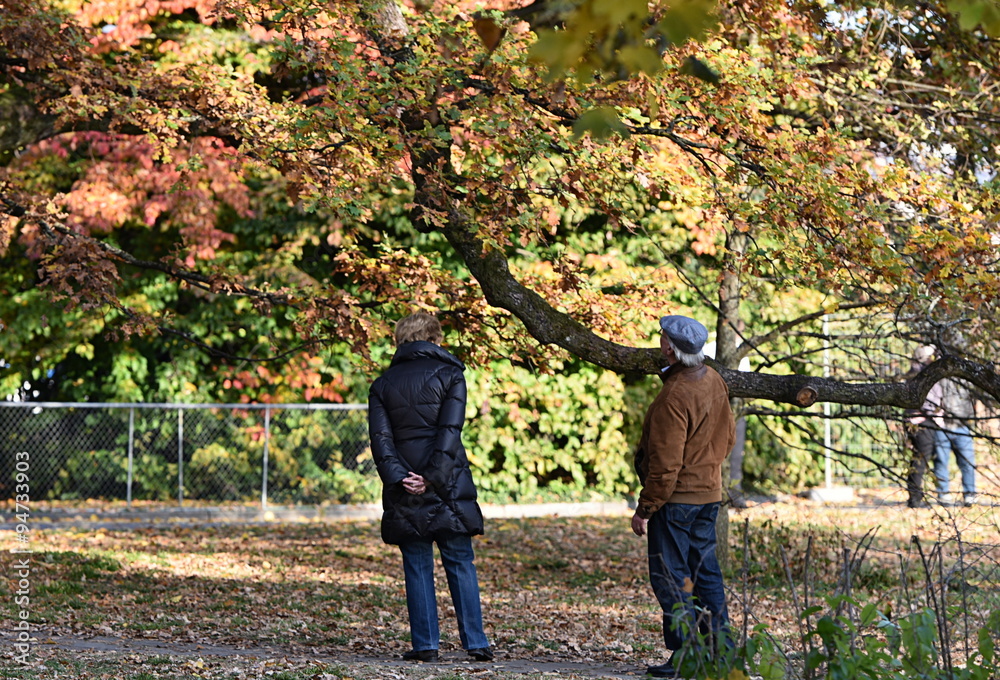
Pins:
<point x="864" y="447"/>
<point x="218" y="453"/>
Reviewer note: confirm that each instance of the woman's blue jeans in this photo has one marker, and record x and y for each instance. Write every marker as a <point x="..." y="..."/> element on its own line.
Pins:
<point x="421" y="601"/>
<point x="957" y="438"/>
<point x="685" y="574"/>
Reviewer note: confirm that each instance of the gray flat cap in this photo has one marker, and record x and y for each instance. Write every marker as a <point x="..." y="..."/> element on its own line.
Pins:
<point x="688" y="335"/>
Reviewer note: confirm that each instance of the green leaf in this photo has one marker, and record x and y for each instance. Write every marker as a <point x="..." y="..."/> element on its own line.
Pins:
<point x="869" y="613"/>
<point x="618" y="11"/>
<point x="688" y="20"/>
<point x="600" y="122"/>
<point x="640" y="58"/>
<point x="976" y="13"/>
<point x="558" y="50"/>
<point x="806" y="613"/>
<point x="987" y="648"/>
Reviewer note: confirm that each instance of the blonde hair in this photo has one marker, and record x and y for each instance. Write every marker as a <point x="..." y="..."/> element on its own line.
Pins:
<point x="419" y="326"/>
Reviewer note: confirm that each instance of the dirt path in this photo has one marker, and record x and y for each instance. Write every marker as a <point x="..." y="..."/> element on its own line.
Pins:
<point x="454" y="662"/>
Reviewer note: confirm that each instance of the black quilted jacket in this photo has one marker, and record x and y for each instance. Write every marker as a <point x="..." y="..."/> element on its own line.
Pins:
<point x="415" y="414"/>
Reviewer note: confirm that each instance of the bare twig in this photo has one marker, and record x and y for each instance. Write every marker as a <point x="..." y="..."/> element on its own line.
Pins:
<point x="805" y="578"/>
<point x="945" y="633"/>
<point x="929" y="585"/>
<point x="745" y="577"/>
<point x="847" y="593"/>
<point x="803" y="634"/>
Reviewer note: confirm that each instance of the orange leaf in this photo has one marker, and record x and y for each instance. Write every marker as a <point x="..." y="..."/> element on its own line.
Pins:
<point x="488" y="31"/>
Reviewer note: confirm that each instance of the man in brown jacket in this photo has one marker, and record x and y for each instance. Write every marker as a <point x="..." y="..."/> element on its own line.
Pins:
<point x="686" y="434"/>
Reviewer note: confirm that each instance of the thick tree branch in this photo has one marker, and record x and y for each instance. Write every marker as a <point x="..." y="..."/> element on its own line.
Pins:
<point x="795" y="389"/>
<point x="550" y="326"/>
<point x="544" y="322"/>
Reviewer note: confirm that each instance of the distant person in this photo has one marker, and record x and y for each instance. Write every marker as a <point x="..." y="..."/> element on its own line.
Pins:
<point x="735" y="486"/>
<point x="416" y="410"/>
<point x="686" y="434"/>
<point x="921" y="430"/>
<point x="954" y="435"/>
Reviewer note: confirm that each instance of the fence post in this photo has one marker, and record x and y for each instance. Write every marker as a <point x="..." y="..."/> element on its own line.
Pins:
<point x="131" y="440"/>
<point x="180" y="456"/>
<point x="267" y="440"/>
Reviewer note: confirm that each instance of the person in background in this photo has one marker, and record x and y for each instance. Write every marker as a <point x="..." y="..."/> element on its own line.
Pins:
<point x="416" y="411"/>
<point x="954" y="435"/>
<point x="686" y="434"/>
<point x="920" y="430"/>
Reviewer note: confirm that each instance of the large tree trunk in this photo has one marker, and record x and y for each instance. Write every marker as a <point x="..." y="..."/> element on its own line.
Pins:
<point x="728" y="329"/>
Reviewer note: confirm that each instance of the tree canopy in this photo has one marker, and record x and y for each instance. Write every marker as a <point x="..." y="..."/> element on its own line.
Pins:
<point x="256" y="180"/>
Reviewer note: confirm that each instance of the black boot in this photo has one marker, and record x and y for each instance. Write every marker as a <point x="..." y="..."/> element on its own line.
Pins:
<point x="664" y="670"/>
<point x="482" y="654"/>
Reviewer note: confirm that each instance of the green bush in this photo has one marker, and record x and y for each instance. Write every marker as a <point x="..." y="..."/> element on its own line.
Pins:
<point x="839" y="647"/>
<point x="91" y="474"/>
<point x="778" y="457"/>
<point x="882" y="649"/>
<point x="220" y="473"/>
<point x="534" y="436"/>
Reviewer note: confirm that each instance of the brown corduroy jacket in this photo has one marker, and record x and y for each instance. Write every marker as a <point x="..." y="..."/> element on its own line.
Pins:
<point x="688" y="430"/>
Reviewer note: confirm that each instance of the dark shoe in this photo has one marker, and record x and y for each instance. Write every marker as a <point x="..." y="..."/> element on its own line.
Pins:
<point x="917" y="504"/>
<point x="483" y="654"/>
<point x="664" y="670"/>
<point x="421" y="655"/>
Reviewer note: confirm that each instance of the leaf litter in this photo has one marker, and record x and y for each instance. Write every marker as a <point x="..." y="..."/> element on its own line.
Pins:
<point x="564" y="596"/>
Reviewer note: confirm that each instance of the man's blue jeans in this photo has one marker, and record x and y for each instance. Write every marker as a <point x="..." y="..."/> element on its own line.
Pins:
<point x="683" y="569"/>
<point x="421" y="601"/>
<point x="955" y="438"/>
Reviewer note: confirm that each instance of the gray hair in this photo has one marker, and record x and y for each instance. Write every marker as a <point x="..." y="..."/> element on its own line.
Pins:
<point x="684" y="358"/>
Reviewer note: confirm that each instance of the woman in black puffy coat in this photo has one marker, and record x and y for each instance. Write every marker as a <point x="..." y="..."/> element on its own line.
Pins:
<point x="416" y="410"/>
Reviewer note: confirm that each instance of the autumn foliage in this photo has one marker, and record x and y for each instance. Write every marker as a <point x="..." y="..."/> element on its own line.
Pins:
<point x="313" y="171"/>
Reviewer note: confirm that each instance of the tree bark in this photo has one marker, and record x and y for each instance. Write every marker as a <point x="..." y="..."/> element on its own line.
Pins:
<point x="550" y="326"/>
<point x="727" y="332"/>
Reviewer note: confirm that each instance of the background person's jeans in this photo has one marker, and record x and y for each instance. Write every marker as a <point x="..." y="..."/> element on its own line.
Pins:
<point x="957" y="438"/>
<point x="922" y="442"/>
<point x="683" y="568"/>
<point x="421" y="603"/>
